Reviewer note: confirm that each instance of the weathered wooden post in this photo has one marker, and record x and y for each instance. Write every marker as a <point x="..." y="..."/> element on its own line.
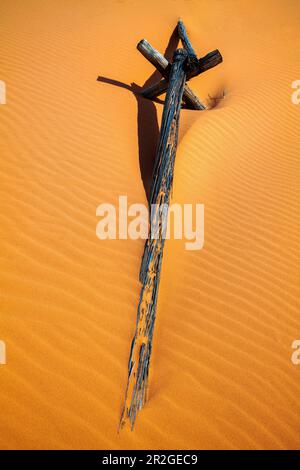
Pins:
<point x="185" y="65"/>
<point x="164" y="67"/>
<point x="185" y="40"/>
<point x="205" y="63"/>
<point x="138" y="367"/>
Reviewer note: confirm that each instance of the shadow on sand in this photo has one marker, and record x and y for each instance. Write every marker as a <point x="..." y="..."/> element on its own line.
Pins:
<point x="148" y="128"/>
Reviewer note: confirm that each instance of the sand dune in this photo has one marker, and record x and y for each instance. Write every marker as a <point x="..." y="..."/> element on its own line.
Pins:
<point x="221" y="374"/>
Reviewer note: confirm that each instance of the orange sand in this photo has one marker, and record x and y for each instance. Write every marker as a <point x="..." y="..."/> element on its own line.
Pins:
<point x="221" y="374"/>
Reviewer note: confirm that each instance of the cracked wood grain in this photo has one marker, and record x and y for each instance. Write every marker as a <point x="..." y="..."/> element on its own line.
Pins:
<point x="140" y="353"/>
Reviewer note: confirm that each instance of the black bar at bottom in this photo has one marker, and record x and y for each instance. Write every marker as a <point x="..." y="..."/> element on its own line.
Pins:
<point x="135" y="458"/>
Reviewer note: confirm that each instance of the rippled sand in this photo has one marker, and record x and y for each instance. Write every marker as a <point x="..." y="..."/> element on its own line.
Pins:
<point x="221" y="374"/>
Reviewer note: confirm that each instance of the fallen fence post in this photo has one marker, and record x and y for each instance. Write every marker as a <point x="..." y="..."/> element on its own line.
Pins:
<point x="139" y="360"/>
<point x="205" y="63"/>
<point x="164" y="67"/>
<point x="185" y="39"/>
<point x="185" y="65"/>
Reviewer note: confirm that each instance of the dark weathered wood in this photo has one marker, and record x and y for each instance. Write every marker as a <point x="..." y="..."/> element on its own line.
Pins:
<point x="155" y="57"/>
<point x="192" y="57"/>
<point x="140" y="354"/>
<point x="185" y="66"/>
<point x="191" y="100"/>
<point x="185" y="39"/>
<point x="164" y="67"/>
<point x="205" y="63"/>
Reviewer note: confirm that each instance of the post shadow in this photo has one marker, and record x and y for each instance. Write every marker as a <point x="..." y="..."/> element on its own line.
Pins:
<point x="148" y="128"/>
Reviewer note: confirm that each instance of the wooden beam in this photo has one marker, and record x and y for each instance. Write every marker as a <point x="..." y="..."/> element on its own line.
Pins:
<point x="185" y="39"/>
<point x="140" y="354"/>
<point x="205" y="63"/>
<point x="155" y="57"/>
<point x="191" y="100"/>
<point x="192" y="56"/>
<point x="164" y="67"/>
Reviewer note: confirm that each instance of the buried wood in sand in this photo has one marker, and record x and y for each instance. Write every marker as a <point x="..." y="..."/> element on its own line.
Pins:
<point x="185" y="66"/>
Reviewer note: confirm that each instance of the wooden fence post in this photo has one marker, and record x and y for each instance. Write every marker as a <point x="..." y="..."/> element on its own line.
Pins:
<point x="164" y="67"/>
<point x="139" y="360"/>
<point x="205" y="63"/>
